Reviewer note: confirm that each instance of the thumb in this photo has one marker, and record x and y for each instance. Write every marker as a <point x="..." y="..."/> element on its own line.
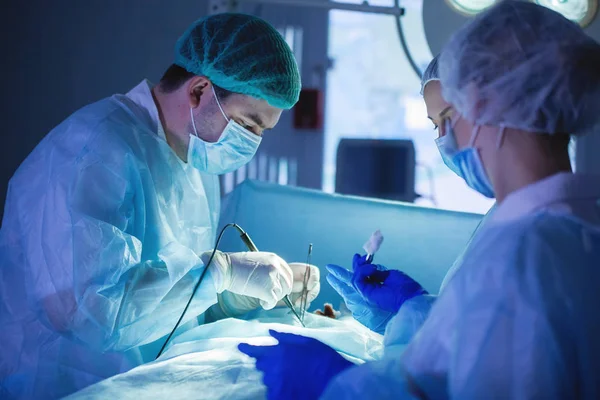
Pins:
<point x="287" y="338"/>
<point x="362" y="272"/>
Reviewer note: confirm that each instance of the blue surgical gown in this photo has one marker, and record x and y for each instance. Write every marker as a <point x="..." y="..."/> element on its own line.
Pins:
<point x="99" y="249"/>
<point x="519" y="319"/>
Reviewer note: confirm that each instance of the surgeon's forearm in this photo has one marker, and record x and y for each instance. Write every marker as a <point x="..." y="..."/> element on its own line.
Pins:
<point x="411" y="316"/>
<point x="144" y="306"/>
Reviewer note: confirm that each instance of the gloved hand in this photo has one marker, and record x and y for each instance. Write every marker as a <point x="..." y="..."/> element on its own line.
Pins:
<point x="367" y="314"/>
<point x="263" y="276"/>
<point x="387" y="289"/>
<point x="297" y="368"/>
<point x="313" y="285"/>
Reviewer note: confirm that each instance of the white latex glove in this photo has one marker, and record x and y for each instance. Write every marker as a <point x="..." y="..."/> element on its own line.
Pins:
<point x="313" y="285"/>
<point x="263" y="276"/>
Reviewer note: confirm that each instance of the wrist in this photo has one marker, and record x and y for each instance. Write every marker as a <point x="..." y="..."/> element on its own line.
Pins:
<point x="220" y="269"/>
<point x="235" y="305"/>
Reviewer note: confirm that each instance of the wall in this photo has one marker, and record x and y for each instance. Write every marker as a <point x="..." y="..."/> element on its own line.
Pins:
<point x="59" y="56"/>
<point x="302" y="148"/>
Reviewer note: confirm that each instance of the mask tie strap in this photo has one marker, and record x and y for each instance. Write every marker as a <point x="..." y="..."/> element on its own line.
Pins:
<point x="219" y="103"/>
<point x="474" y="135"/>
<point x="194" y="122"/>
<point x="500" y="137"/>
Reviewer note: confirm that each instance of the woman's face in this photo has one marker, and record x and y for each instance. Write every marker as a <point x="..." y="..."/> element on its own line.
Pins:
<point x="439" y="111"/>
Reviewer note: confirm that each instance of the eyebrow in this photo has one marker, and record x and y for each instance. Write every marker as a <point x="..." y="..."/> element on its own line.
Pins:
<point x="256" y="119"/>
<point x="444" y="111"/>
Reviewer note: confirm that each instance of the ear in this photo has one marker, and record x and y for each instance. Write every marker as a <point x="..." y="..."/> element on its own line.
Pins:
<point x="196" y="88"/>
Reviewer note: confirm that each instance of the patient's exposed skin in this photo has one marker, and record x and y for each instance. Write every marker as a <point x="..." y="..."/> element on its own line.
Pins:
<point x="328" y="311"/>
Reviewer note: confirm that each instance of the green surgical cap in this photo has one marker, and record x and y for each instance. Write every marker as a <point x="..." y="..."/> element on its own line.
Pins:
<point x="242" y="54"/>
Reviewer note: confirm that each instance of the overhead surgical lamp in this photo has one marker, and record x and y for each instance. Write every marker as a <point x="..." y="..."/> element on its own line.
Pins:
<point x="579" y="11"/>
<point x="442" y="18"/>
<point x="470" y="7"/>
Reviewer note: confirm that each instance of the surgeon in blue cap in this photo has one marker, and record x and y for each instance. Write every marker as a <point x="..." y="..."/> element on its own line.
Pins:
<point x="110" y="221"/>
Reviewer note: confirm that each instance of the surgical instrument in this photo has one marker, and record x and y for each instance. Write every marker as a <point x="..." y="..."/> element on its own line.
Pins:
<point x="252" y="247"/>
<point x="304" y="296"/>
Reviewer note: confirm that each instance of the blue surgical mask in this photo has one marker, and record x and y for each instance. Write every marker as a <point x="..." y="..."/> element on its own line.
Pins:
<point x="235" y="147"/>
<point x="465" y="163"/>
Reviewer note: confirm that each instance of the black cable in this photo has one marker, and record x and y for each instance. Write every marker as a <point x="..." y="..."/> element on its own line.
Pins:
<point x="411" y="61"/>
<point x="245" y="238"/>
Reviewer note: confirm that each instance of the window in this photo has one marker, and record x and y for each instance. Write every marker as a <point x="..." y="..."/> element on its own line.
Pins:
<point x="372" y="92"/>
<point x="580" y="11"/>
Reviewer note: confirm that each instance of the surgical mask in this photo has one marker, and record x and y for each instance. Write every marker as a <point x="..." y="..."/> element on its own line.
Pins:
<point x="465" y="163"/>
<point x="235" y="147"/>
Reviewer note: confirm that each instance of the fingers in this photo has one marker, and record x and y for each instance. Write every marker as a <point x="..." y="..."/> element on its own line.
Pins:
<point x="299" y="270"/>
<point x="285" y="272"/>
<point x="340" y="273"/>
<point x="366" y="280"/>
<point x="345" y="290"/>
<point x="362" y="272"/>
<point x="254" y="351"/>
<point x="313" y="293"/>
<point x="296" y="297"/>
<point x="271" y="301"/>
<point x="358" y="261"/>
<point x="288" y="338"/>
<point x="279" y="284"/>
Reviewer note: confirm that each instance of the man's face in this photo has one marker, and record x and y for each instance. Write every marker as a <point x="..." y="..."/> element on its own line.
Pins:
<point x="255" y="115"/>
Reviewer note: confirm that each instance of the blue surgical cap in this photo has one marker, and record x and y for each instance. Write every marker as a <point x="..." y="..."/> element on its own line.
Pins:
<point x="242" y="54"/>
<point x="523" y="66"/>
<point x="431" y="73"/>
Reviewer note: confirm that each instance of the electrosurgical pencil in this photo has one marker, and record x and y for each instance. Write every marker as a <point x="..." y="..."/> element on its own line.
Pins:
<point x="252" y="247"/>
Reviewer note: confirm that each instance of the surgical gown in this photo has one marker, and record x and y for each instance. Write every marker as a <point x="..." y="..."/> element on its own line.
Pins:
<point x="413" y="313"/>
<point x="99" y="249"/>
<point x="519" y="319"/>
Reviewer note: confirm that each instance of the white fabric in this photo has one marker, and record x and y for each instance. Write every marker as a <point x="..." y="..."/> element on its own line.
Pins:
<point x="99" y="249"/>
<point x="519" y="319"/>
<point x="205" y="363"/>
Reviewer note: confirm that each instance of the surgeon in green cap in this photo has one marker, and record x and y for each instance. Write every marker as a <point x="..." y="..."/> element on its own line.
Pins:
<point x="110" y="221"/>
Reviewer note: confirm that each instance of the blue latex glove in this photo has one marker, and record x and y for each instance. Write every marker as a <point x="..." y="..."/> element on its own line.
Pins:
<point x="384" y="288"/>
<point x="370" y="315"/>
<point x="297" y="368"/>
